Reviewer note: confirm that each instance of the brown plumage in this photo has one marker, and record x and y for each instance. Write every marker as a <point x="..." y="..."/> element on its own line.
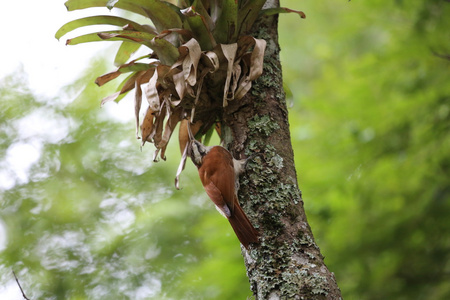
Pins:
<point x="217" y="174"/>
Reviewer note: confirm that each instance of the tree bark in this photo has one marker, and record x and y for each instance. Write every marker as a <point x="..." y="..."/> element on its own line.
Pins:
<point x="287" y="264"/>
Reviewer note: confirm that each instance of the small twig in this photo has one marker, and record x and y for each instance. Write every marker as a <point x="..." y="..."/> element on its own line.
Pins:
<point x="20" y="287"/>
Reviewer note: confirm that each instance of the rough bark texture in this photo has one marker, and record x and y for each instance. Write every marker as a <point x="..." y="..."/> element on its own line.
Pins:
<point x="287" y="264"/>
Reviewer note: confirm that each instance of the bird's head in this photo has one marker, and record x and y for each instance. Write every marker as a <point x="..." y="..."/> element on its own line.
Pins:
<point x="197" y="151"/>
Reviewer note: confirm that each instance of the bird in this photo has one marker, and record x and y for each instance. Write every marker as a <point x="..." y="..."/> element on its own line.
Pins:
<point x="218" y="172"/>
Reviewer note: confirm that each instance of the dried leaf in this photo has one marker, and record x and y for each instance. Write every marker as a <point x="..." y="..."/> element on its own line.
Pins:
<point x="204" y="72"/>
<point x="255" y="69"/>
<point x="190" y="61"/>
<point x="147" y="126"/>
<point x="159" y="123"/>
<point x="151" y="92"/>
<point x="211" y="61"/>
<point x="125" y="68"/>
<point x="171" y="123"/>
<point x="229" y="51"/>
<point x="180" y="84"/>
<point x="181" y="167"/>
<point x="110" y="98"/>
<point x="183" y="135"/>
<point x="138" y="101"/>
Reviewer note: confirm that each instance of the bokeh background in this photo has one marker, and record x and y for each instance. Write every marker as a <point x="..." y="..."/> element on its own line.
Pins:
<point x="85" y="214"/>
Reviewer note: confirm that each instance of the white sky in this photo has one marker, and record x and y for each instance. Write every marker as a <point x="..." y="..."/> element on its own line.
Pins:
<point x="28" y="42"/>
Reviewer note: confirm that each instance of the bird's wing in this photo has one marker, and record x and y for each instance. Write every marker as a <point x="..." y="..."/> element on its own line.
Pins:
<point x="216" y="196"/>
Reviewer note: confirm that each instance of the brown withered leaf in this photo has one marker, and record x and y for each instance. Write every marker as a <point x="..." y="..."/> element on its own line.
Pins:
<point x="159" y="125"/>
<point x="229" y="51"/>
<point x="174" y="118"/>
<point x="128" y="86"/>
<point x="147" y="126"/>
<point x="181" y="166"/>
<point x="211" y="61"/>
<point x="180" y="84"/>
<point x="255" y="69"/>
<point x="190" y="61"/>
<point x="109" y="98"/>
<point x="183" y="135"/>
<point x="138" y="100"/>
<point x="151" y="92"/>
<point x="101" y="80"/>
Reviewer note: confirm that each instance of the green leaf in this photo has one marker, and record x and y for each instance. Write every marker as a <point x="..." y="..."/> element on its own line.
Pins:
<point x="248" y="15"/>
<point x="163" y="15"/>
<point x="125" y="51"/>
<point x="97" y="20"/>
<point x="227" y="24"/>
<point x="167" y="53"/>
<point x="198" y="25"/>
<point x="114" y="35"/>
<point x="282" y="10"/>
<point x="125" y="5"/>
<point x="86" y="38"/>
<point x="140" y="37"/>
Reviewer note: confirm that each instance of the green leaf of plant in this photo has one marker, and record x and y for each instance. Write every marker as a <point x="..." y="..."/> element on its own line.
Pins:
<point x="167" y="53"/>
<point x="86" y="38"/>
<point x="282" y="10"/>
<point x="114" y="35"/>
<point x="97" y="20"/>
<point x="125" y="5"/>
<point x="163" y="14"/>
<point x="248" y="14"/>
<point x="125" y="51"/>
<point x="201" y="31"/>
<point x="134" y="36"/>
<point x="227" y="24"/>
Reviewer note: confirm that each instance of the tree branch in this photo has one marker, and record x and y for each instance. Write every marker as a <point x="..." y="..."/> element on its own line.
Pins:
<point x="20" y="287"/>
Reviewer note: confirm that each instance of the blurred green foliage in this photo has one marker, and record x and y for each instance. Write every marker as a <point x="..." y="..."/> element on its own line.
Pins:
<point x="87" y="215"/>
<point x="370" y="127"/>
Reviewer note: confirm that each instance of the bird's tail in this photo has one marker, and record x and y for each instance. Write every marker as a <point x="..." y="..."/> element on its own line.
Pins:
<point x="244" y="230"/>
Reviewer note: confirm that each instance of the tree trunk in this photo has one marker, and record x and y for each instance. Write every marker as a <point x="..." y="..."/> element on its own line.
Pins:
<point x="287" y="264"/>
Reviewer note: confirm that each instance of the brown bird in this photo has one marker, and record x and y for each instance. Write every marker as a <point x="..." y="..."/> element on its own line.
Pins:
<point x="218" y="172"/>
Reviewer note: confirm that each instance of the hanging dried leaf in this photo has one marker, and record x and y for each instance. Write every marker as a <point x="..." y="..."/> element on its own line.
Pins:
<point x="181" y="167"/>
<point x="138" y="100"/>
<point x="211" y="61"/>
<point x="147" y="126"/>
<point x="159" y="124"/>
<point x="151" y="92"/>
<point x="125" y="68"/>
<point x="171" y="123"/>
<point x="180" y="84"/>
<point x="255" y="69"/>
<point x="229" y="51"/>
<point x="190" y="61"/>
<point x="183" y="135"/>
